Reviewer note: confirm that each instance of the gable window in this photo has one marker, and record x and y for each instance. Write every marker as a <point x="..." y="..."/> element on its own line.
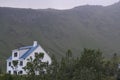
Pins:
<point x="15" y="54"/>
<point x="21" y="63"/>
<point x="9" y="63"/>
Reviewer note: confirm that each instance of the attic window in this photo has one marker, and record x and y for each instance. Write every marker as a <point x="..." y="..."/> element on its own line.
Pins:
<point x="15" y="54"/>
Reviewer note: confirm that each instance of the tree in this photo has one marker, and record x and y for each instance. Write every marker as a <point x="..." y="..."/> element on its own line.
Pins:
<point x="52" y="70"/>
<point x="0" y="70"/>
<point x="36" y="67"/>
<point x="115" y="63"/>
<point x="92" y="61"/>
<point x="7" y="77"/>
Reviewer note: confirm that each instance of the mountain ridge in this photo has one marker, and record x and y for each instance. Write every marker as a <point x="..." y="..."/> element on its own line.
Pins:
<point x="94" y="27"/>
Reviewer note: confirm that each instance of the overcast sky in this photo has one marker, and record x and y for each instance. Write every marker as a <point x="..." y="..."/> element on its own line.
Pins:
<point x="57" y="4"/>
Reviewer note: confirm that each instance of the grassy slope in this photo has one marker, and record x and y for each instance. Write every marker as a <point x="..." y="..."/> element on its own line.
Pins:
<point x="81" y="27"/>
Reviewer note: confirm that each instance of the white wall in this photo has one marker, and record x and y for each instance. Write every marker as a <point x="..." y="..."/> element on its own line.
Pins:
<point x="19" y="68"/>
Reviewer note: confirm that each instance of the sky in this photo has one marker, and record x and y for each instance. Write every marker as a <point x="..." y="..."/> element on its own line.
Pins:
<point x="56" y="4"/>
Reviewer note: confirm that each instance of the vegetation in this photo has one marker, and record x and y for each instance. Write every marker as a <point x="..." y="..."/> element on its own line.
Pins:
<point x="0" y="70"/>
<point x="15" y="63"/>
<point x="36" y="66"/>
<point x="91" y="65"/>
<point x="58" y="30"/>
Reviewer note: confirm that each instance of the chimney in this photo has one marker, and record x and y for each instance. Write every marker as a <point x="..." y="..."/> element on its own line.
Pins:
<point x="34" y="43"/>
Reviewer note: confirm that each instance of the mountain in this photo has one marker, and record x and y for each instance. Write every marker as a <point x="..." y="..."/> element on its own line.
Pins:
<point x="86" y="26"/>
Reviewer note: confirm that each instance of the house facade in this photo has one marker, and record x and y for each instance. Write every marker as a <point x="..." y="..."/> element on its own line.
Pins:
<point x="20" y="56"/>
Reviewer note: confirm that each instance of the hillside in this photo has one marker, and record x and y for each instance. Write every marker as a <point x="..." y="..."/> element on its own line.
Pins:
<point x="58" y="30"/>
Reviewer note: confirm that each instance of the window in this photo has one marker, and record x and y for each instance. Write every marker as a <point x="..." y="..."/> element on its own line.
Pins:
<point x="15" y="54"/>
<point x="20" y="72"/>
<point x="15" y="72"/>
<point x="21" y="63"/>
<point x="9" y="72"/>
<point x="9" y="63"/>
<point x="36" y="54"/>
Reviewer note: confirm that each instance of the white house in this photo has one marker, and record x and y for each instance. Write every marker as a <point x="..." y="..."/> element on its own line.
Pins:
<point x="21" y="55"/>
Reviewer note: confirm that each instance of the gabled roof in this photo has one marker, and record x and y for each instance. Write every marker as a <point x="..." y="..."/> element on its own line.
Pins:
<point x="30" y="50"/>
<point x="26" y="47"/>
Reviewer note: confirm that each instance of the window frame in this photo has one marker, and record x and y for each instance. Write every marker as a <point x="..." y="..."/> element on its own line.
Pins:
<point x="15" y="54"/>
<point x="21" y="72"/>
<point x="9" y="64"/>
<point x="36" y="54"/>
<point x="21" y="63"/>
<point x="15" y="72"/>
<point x="9" y="71"/>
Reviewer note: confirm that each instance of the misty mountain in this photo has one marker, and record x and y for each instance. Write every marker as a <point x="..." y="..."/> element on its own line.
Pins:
<point x="95" y="27"/>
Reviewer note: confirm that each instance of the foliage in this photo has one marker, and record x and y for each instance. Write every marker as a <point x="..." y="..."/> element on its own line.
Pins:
<point x="15" y="63"/>
<point x="57" y="30"/>
<point x="91" y="65"/>
<point x="6" y="77"/>
<point x="36" y="66"/>
<point x="0" y="70"/>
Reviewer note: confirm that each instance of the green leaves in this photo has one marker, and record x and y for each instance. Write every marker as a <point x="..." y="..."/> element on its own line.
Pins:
<point x="89" y="66"/>
<point x="36" y="66"/>
<point x="15" y="63"/>
<point x="91" y="59"/>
